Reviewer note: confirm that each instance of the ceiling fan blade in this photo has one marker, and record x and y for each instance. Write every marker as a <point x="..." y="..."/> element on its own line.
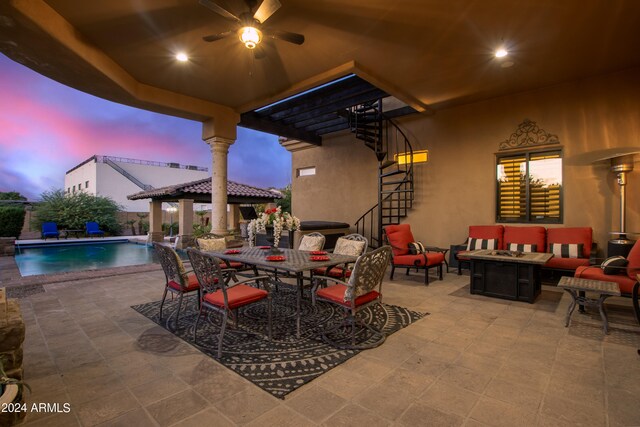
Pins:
<point x="287" y="36"/>
<point x="214" y="37"/>
<point x="219" y="10"/>
<point x="266" y="9"/>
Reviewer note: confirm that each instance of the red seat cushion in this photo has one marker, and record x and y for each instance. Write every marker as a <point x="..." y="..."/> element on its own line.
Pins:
<point x="594" y="272"/>
<point x="526" y="236"/>
<point x="334" y="272"/>
<point x="232" y="264"/>
<point x="335" y="294"/>
<point x="571" y="235"/>
<point x="566" y="263"/>
<point x="192" y="284"/>
<point x="633" y="268"/>
<point x="237" y="296"/>
<point x="432" y="258"/>
<point x="488" y="232"/>
<point x="399" y="237"/>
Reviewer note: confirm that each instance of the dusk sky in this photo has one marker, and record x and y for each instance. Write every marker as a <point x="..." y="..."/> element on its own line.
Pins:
<point x="47" y="128"/>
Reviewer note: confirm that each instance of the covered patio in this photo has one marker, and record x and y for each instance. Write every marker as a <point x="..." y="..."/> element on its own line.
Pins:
<point x="452" y="81"/>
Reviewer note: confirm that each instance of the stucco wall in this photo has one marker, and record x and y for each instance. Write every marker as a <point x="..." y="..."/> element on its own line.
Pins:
<point x="457" y="187"/>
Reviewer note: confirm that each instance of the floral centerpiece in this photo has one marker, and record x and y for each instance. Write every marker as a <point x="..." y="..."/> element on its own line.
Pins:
<point x="272" y="218"/>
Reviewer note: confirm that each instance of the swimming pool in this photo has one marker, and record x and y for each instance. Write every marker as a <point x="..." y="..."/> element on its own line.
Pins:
<point x="60" y="258"/>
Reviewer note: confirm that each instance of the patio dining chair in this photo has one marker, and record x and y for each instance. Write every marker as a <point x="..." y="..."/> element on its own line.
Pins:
<point x="222" y="297"/>
<point x="213" y="242"/>
<point x="50" y="229"/>
<point x="363" y="290"/>
<point x="312" y="242"/>
<point x="179" y="281"/>
<point x="352" y="244"/>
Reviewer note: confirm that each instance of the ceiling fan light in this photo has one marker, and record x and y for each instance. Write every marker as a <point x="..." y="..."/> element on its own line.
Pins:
<point x="250" y="36"/>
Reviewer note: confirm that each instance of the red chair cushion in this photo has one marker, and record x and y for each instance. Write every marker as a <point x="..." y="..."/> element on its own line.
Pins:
<point x="335" y="293"/>
<point x="399" y="237"/>
<point x="594" y="272"/>
<point x="566" y="263"/>
<point x="571" y="235"/>
<point x="232" y="264"/>
<point x="432" y="258"/>
<point x="633" y="268"/>
<point x="237" y="296"/>
<point x="334" y="272"/>
<point x="526" y="236"/>
<point x="192" y="284"/>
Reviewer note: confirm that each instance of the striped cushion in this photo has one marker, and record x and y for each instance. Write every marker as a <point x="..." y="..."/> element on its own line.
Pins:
<point x="614" y="265"/>
<point x="566" y="250"/>
<point x="482" y="244"/>
<point x="522" y="247"/>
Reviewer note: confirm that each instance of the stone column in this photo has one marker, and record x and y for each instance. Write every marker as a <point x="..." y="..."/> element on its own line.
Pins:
<point x="155" y="222"/>
<point x="219" y="150"/>
<point x="185" y="223"/>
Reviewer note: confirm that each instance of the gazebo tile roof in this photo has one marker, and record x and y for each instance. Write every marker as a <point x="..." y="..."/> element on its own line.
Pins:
<point x="203" y="186"/>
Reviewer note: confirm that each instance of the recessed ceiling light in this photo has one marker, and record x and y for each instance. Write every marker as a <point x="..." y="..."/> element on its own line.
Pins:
<point x="501" y="53"/>
<point x="182" y="57"/>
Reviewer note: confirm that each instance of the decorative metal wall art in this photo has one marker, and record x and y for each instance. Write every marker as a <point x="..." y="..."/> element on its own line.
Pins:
<point x="528" y="134"/>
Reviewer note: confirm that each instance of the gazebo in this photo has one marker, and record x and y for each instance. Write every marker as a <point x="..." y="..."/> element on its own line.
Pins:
<point x="197" y="192"/>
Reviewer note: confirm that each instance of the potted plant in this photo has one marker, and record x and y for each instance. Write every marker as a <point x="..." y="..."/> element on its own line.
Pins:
<point x="272" y="218"/>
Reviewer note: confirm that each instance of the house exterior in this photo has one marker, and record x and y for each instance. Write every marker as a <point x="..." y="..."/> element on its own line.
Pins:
<point x="117" y="177"/>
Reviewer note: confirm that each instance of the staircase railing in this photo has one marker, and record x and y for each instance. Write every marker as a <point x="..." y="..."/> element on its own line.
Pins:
<point x="127" y="175"/>
<point x="395" y="170"/>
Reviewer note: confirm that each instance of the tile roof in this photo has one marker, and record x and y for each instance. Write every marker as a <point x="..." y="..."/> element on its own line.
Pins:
<point x="203" y="186"/>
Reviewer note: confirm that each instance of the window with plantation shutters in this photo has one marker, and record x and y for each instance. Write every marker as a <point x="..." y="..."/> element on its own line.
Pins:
<point x="529" y="187"/>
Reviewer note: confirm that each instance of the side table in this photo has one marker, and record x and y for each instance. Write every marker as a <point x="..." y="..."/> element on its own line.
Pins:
<point x="575" y="285"/>
<point x="440" y="250"/>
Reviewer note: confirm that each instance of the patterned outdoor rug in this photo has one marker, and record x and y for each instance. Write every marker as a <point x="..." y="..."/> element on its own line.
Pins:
<point x="285" y="363"/>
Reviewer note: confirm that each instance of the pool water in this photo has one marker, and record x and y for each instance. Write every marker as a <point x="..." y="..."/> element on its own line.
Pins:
<point x="76" y="257"/>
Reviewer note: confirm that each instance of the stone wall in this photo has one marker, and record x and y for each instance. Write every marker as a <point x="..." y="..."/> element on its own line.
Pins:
<point x="11" y="338"/>
<point x="7" y="246"/>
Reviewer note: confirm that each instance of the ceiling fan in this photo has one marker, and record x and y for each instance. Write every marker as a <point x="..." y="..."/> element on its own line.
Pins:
<point x="250" y="26"/>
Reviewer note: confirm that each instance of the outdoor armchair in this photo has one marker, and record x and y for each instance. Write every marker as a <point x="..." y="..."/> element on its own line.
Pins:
<point x="625" y="274"/>
<point x="399" y="237"/>
<point x="50" y="229"/>
<point x="93" y="229"/>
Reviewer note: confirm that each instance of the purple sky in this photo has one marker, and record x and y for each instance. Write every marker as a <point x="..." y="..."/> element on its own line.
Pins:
<point x="47" y="128"/>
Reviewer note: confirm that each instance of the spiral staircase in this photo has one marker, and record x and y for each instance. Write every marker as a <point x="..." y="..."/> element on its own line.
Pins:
<point x="395" y="169"/>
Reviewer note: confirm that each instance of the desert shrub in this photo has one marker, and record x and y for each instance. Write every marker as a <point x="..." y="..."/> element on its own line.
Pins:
<point x="11" y="221"/>
<point x="72" y="211"/>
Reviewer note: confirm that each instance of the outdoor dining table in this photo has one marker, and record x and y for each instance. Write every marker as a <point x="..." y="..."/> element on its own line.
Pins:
<point x="295" y="262"/>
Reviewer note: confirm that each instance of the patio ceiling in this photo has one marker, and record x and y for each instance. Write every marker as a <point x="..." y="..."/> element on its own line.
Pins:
<point x="428" y="54"/>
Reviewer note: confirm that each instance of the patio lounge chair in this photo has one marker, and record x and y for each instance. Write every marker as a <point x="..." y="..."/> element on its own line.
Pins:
<point x="50" y="229"/>
<point x="93" y="229"/>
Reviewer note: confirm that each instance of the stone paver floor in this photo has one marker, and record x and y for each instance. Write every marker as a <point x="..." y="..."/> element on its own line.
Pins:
<point x="474" y="361"/>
